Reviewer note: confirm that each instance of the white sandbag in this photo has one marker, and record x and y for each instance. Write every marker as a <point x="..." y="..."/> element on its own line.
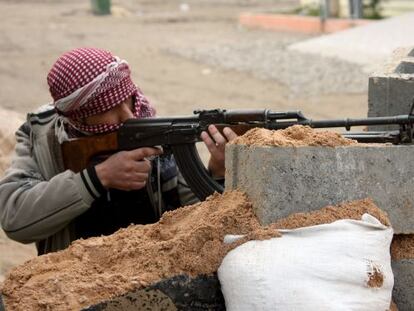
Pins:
<point x="345" y="265"/>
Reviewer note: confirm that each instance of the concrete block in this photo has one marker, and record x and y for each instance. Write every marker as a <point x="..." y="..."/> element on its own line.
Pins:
<point x="403" y="292"/>
<point x="406" y="66"/>
<point x="285" y="180"/>
<point x="391" y="91"/>
<point x="390" y="95"/>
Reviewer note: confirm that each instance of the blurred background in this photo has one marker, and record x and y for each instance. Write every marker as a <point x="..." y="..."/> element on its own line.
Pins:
<point x="309" y="55"/>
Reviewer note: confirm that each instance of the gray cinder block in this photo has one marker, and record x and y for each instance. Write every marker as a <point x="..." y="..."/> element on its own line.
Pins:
<point x="391" y="91"/>
<point x="390" y="95"/>
<point x="403" y="292"/>
<point x="406" y="66"/>
<point x="285" y="180"/>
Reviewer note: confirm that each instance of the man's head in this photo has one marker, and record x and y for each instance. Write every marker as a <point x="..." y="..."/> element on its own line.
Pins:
<point x="86" y="83"/>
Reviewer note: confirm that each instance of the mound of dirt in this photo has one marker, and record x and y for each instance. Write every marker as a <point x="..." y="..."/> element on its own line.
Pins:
<point x="294" y="136"/>
<point x="187" y="240"/>
<point x="347" y="210"/>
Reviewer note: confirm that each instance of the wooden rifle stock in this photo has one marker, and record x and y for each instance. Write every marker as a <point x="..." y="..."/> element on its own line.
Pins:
<point x="78" y="152"/>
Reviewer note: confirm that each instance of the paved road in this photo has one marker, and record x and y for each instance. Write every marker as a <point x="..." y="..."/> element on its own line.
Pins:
<point x="369" y="45"/>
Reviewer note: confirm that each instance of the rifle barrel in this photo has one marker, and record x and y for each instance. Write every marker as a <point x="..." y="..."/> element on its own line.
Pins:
<point x="347" y="123"/>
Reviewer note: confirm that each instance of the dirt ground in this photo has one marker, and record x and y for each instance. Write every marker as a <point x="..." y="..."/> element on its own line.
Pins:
<point x="34" y="33"/>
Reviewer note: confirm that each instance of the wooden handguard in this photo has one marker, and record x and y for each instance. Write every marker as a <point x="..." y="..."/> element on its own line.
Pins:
<point x="239" y="129"/>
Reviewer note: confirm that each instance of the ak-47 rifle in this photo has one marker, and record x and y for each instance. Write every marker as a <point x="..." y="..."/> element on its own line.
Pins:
<point x="180" y="133"/>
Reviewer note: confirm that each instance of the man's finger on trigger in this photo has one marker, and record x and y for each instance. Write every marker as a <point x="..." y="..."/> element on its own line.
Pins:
<point x="159" y="149"/>
<point x="157" y="152"/>
<point x="141" y="153"/>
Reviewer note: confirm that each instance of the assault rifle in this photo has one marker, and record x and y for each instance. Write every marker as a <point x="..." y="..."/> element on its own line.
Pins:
<point x="179" y="134"/>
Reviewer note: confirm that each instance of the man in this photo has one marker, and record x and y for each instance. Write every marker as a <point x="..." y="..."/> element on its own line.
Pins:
<point x="42" y="202"/>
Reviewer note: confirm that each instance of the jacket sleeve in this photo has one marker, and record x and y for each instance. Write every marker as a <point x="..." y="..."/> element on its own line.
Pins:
<point x="32" y="208"/>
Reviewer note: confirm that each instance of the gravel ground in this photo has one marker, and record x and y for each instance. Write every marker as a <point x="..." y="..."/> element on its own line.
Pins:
<point x="265" y="56"/>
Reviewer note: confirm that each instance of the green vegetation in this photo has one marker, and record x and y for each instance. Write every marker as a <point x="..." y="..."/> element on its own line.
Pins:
<point x="372" y="10"/>
<point x="308" y="10"/>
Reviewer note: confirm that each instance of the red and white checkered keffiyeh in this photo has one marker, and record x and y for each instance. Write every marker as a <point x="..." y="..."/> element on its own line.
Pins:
<point x="88" y="81"/>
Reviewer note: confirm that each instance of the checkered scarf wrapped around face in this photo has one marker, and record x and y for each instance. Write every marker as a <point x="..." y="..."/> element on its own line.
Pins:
<point x="88" y="81"/>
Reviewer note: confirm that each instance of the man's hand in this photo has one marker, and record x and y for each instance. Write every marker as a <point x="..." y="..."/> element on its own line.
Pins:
<point x="126" y="170"/>
<point x="216" y="144"/>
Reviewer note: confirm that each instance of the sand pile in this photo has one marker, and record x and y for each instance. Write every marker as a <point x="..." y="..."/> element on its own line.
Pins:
<point x="188" y="240"/>
<point x="294" y="136"/>
<point x="348" y="210"/>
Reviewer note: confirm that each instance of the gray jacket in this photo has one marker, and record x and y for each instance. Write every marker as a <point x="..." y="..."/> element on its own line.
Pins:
<point x="39" y="198"/>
